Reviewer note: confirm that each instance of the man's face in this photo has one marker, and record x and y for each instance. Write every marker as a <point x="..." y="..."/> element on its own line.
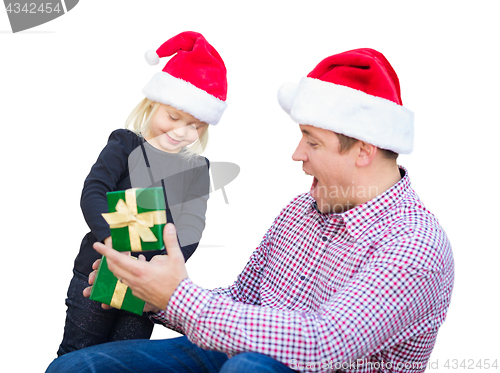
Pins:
<point x="332" y="186"/>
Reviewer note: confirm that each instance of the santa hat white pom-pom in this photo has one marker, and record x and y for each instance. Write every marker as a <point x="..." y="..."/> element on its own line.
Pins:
<point x="151" y="57"/>
<point x="286" y="96"/>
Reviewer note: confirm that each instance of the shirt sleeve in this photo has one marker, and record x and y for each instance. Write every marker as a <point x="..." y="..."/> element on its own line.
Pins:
<point x="246" y="289"/>
<point x="378" y="307"/>
<point x="109" y="169"/>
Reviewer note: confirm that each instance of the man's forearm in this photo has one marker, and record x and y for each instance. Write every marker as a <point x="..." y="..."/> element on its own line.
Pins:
<point x="354" y="325"/>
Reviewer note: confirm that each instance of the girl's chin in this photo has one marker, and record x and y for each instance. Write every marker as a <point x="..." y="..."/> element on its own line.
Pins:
<point x="167" y="147"/>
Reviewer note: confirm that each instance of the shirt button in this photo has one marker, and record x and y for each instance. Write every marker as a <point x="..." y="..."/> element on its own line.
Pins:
<point x="302" y="277"/>
<point x="324" y="238"/>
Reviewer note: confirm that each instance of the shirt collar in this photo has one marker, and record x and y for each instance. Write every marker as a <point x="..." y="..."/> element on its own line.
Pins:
<point x="359" y="218"/>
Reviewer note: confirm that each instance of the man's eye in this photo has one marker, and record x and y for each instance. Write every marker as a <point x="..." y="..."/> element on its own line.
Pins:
<point x="312" y="144"/>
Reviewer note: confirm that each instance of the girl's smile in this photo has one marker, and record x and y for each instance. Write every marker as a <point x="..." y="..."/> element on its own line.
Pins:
<point x="173" y="141"/>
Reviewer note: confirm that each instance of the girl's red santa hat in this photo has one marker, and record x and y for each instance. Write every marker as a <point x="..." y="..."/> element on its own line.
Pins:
<point x="355" y="93"/>
<point x="194" y="80"/>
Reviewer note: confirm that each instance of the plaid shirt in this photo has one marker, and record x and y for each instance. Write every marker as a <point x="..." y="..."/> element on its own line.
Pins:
<point x="361" y="291"/>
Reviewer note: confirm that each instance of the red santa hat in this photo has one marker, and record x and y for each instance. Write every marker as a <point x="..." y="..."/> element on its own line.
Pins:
<point x="194" y="80"/>
<point x="355" y="93"/>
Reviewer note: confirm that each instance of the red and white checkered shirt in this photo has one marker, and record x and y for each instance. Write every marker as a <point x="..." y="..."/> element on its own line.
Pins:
<point x="361" y="291"/>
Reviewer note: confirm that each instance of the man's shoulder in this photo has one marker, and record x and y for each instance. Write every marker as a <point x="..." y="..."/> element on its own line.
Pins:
<point x="410" y="223"/>
<point x="294" y="209"/>
<point x="413" y="213"/>
<point x="300" y="202"/>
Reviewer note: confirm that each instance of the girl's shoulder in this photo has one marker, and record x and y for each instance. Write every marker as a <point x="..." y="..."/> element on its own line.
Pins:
<point x="125" y="138"/>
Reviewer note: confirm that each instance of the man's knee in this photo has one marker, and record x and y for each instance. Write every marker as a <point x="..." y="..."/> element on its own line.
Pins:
<point x="71" y="362"/>
<point x="252" y="362"/>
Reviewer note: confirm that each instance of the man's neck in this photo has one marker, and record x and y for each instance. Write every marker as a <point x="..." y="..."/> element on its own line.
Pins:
<point x="376" y="179"/>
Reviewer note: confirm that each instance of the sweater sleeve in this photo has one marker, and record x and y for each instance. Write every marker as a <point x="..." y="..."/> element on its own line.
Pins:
<point x="191" y="222"/>
<point x="111" y="167"/>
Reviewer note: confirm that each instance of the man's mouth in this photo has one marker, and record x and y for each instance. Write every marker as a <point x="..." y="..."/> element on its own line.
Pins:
<point x="315" y="181"/>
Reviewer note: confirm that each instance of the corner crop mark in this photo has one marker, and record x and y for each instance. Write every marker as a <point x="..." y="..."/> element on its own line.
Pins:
<point x="24" y="15"/>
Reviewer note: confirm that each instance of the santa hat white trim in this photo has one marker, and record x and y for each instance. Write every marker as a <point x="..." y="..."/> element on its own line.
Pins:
<point x="182" y="95"/>
<point x="353" y="113"/>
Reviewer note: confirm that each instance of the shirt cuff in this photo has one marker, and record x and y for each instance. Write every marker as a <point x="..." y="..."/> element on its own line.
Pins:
<point x="184" y="306"/>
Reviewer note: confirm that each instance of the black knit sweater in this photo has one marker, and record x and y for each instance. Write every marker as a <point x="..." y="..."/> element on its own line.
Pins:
<point x="121" y="165"/>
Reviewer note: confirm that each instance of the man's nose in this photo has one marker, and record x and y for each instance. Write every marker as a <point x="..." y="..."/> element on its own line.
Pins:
<point x="299" y="155"/>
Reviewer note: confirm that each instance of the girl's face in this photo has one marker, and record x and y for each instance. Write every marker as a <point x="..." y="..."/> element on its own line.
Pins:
<point x="172" y="129"/>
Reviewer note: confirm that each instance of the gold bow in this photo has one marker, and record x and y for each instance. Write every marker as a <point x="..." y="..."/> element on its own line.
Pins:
<point x="138" y="224"/>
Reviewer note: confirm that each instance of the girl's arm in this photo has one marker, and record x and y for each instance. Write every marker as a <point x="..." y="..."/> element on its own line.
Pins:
<point x="191" y="222"/>
<point x="110" y="169"/>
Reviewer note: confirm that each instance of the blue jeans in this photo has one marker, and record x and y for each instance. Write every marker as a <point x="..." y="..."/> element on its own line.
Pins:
<point x="88" y="324"/>
<point x="176" y="355"/>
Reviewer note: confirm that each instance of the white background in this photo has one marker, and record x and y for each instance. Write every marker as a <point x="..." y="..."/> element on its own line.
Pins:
<point x="65" y="85"/>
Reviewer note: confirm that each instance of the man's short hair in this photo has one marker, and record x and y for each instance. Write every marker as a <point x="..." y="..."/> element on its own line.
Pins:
<point x="347" y="143"/>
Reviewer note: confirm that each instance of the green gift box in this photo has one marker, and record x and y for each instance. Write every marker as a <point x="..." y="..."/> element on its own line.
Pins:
<point x="108" y="290"/>
<point x="136" y="218"/>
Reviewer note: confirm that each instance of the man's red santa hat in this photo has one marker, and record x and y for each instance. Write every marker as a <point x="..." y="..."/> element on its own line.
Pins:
<point x="194" y="80"/>
<point x="354" y="93"/>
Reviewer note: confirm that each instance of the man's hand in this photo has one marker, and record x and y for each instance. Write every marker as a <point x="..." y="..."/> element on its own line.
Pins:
<point x="95" y="266"/>
<point x="153" y="281"/>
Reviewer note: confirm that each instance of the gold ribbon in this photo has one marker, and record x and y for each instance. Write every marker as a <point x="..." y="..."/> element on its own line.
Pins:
<point x="138" y="224"/>
<point x="119" y="294"/>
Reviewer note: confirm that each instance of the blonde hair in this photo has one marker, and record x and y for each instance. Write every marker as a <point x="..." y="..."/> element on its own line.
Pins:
<point x="139" y="121"/>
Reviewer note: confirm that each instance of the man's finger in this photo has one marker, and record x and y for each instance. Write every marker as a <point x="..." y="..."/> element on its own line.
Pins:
<point x="108" y="252"/>
<point x="121" y="265"/>
<point x="159" y="259"/>
<point x="171" y="243"/>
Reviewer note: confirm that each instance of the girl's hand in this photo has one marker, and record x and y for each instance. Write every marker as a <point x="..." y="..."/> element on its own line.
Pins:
<point x="107" y="242"/>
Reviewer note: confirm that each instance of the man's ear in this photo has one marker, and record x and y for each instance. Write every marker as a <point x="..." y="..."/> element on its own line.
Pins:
<point x="366" y="154"/>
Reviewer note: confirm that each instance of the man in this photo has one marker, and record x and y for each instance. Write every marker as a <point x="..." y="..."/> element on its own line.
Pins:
<point x="355" y="275"/>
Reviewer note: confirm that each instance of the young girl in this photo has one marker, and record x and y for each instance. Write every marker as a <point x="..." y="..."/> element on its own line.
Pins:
<point x="180" y="102"/>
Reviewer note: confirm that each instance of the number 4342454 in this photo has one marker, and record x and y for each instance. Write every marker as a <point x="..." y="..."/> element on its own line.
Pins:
<point x="33" y="8"/>
<point x="471" y="364"/>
